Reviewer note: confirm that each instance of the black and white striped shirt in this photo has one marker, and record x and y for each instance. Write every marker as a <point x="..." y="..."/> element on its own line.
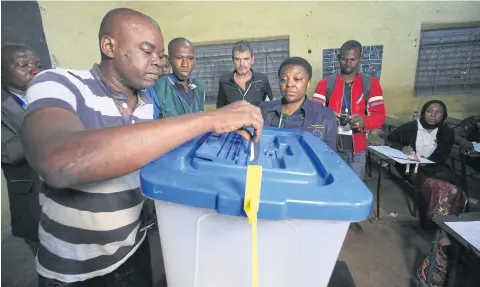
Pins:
<point x="89" y="230"/>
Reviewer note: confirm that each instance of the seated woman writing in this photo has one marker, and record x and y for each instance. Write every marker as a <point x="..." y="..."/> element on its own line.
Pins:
<point x="430" y="138"/>
<point x="294" y="110"/>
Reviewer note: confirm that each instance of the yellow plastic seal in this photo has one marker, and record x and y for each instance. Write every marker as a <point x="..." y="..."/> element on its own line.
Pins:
<point x="250" y="205"/>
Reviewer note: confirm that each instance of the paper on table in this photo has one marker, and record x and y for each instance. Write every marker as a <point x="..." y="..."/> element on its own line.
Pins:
<point x="476" y="147"/>
<point x="398" y="156"/>
<point x="388" y="151"/>
<point x="409" y="161"/>
<point x="468" y="230"/>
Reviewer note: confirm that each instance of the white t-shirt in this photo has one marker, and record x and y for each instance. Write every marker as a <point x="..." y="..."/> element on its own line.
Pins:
<point x="426" y="141"/>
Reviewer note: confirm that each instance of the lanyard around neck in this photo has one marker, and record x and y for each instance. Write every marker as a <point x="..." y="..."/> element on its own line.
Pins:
<point x="19" y="101"/>
<point x="346" y="100"/>
<point x="282" y="120"/>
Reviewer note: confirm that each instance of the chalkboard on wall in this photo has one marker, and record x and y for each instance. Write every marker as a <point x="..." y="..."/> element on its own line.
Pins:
<point x="371" y="62"/>
<point x="22" y="23"/>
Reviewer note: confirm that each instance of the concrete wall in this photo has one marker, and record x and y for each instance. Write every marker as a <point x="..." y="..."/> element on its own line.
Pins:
<point x="72" y="37"/>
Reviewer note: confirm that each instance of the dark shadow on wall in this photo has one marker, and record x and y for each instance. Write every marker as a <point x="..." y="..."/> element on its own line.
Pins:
<point x="22" y="23"/>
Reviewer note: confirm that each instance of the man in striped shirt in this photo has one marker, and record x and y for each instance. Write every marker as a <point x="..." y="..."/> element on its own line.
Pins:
<point x="88" y="133"/>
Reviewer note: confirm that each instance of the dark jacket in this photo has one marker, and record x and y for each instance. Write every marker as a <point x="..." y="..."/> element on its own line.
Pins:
<point x="257" y="90"/>
<point x="23" y="182"/>
<point x="406" y="135"/>
<point x="318" y="120"/>
<point x="468" y="129"/>
<point x="169" y="103"/>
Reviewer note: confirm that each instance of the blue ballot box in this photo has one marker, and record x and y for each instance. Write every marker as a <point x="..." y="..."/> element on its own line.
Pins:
<point x="309" y="196"/>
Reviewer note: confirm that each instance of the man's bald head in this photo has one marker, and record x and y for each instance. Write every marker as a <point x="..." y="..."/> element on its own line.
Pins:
<point x="114" y="18"/>
<point x="131" y="45"/>
<point x="184" y="42"/>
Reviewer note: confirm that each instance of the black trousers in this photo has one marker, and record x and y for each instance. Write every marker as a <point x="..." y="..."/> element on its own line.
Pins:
<point x="135" y="272"/>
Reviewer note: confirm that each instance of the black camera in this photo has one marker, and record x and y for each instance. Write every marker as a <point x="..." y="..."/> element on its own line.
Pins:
<point x="344" y="120"/>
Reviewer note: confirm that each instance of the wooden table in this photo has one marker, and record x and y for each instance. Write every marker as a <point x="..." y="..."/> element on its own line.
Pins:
<point x="390" y="161"/>
<point x="382" y="159"/>
<point x="459" y="244"/>
<point x="455" y="155"/>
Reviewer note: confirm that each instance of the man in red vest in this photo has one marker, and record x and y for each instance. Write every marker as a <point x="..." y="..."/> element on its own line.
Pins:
<point x="357" y="101"/>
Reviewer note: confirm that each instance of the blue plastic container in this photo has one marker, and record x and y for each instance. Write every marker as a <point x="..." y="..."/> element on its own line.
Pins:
<point x="308" y="198"/>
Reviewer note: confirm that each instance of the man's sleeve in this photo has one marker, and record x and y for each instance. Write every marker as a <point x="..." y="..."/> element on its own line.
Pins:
<point x="12" y="149"/>
<point x="268" y="90"/>
<point x="375" y="107"/>
<point x="319" y="96"/>
<point x="397" y="139"/>
<point x="52" y="89"/>
<point x="331" y="132"/>
<point x="221" y="97"/>
<point x="156" y="106"/>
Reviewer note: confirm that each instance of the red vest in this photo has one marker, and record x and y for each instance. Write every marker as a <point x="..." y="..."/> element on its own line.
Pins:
<point x="375" y="105"/>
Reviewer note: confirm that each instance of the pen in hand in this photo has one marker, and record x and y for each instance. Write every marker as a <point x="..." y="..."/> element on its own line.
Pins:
<point x="408" y="150"/>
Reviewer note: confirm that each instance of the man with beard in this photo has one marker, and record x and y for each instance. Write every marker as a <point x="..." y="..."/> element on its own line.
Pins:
<point x="243" y="83"/>
<point x="357" y="102"/>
